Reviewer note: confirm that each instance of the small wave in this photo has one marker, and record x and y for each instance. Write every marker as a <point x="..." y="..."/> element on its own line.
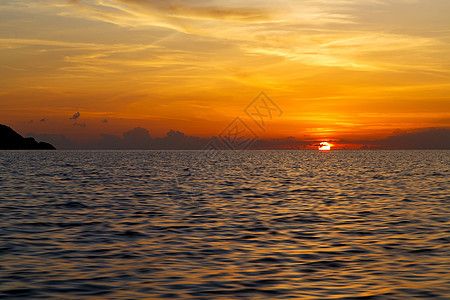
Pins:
<point x="71" y="204"/>
<point x="131" y="233"/>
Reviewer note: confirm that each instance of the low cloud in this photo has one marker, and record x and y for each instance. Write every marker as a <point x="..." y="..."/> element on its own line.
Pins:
<point x="140" y="139"/>
<point x="137" y="138"/>
<point x="435" y="138"/>
<point x="75" y="116"/>
<point x="60" y="141"/>
<point x="423" y="139"/>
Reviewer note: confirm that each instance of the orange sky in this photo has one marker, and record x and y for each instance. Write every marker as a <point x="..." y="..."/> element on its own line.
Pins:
<point x="338" y="68"/>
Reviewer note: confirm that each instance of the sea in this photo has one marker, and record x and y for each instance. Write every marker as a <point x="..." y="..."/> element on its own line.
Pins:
<point x="269" y="224"/>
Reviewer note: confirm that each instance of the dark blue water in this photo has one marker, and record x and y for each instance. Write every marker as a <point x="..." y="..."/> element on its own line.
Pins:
<point x="231" y="225"/>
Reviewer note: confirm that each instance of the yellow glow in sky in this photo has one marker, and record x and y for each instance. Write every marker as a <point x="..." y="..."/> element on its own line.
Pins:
<point x="339" y="69"/>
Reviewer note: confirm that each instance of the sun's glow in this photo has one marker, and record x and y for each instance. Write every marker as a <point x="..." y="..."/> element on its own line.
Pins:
<point x="324" y="146"/>
<point x="219" y="55"/>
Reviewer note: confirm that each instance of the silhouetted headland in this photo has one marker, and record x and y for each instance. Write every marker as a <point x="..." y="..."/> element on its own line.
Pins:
<point x="11" y="140"/>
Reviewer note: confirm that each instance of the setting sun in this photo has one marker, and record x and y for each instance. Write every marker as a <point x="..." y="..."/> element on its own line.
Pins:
<point x="193" y="66"/>
<point x="324" y="146"/>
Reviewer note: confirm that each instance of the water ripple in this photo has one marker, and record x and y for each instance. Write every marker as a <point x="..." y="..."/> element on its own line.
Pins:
<point x="238" y="225"/>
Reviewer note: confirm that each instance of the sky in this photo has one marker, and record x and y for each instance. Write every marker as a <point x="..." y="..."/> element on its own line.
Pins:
<point x="334" y="70"/>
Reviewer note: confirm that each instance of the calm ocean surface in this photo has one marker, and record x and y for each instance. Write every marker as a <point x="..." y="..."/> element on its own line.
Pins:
<point x="232" y="225"/>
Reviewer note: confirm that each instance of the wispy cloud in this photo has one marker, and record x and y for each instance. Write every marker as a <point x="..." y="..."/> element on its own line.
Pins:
<point x="58" y="45"/>
<point x="312" y="32"/>
<point x="348" y="50"/>
<point x="192" y="16"/>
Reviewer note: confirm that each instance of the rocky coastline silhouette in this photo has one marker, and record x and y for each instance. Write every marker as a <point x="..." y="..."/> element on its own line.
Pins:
<point x="11" y="140"/>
